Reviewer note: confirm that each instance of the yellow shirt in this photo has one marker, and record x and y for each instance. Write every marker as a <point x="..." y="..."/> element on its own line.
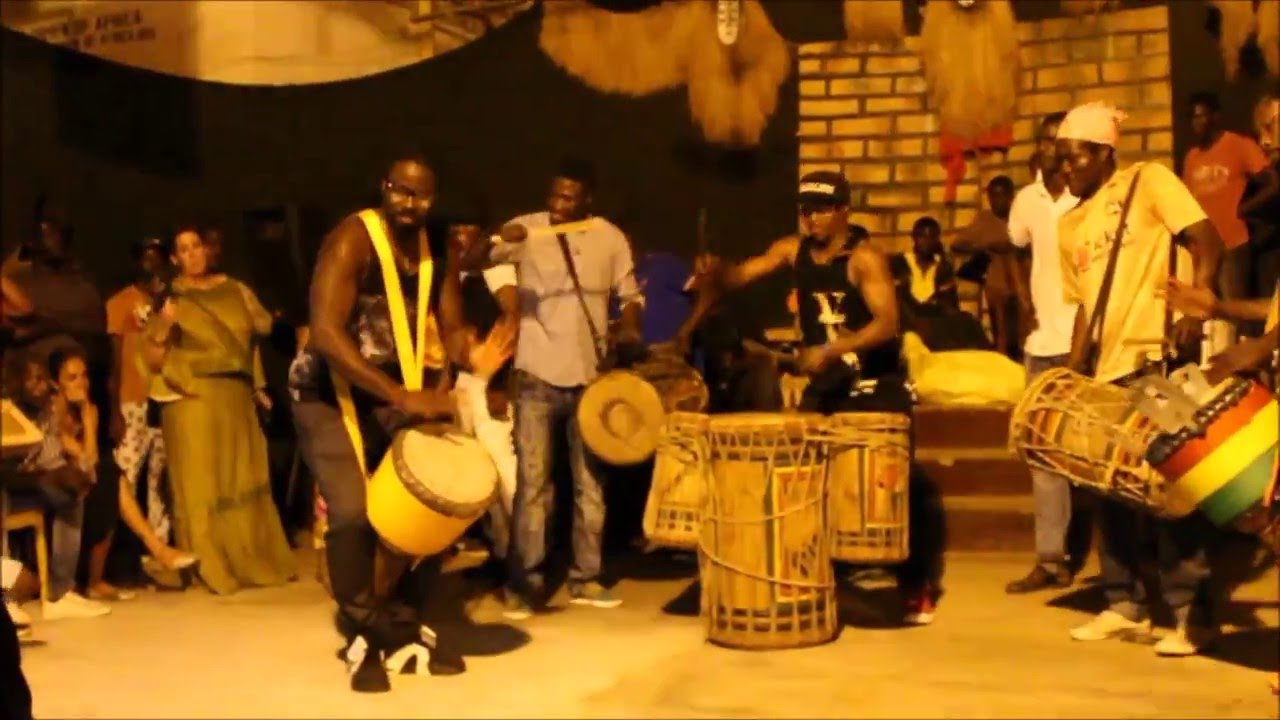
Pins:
<point x="1273" y="317"/>
<point x="1134" y="323"/>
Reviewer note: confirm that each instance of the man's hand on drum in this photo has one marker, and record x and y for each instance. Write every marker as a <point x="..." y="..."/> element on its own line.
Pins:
<point x="812" y="360"/>
<point x="433" y="404"/>
<point x="1242" y="357"/>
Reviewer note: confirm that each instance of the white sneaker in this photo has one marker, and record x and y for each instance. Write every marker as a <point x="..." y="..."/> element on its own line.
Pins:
<point x="1110" y="624"/>
<point x="20" y="617"/>
<point x="1186" y="640"/>
<point x="74" y="605"/>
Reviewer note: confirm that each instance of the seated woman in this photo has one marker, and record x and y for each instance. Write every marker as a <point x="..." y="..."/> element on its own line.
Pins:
<point x="58" y="473"/>
<point x="929" y="302"/>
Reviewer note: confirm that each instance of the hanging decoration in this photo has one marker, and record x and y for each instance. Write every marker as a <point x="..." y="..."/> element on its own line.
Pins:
<point x="728" y="20"/>
<point x="731" y="66"/>
<point x="1239" y="23"/>
<point x="971" y="66"/>
<point x="635" y="53"/>
<point x="873" y="21"/>
<point x="1269" y="33"/>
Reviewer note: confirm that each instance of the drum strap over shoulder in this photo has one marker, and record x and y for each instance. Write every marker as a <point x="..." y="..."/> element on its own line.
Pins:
<point x="412" y="355"/>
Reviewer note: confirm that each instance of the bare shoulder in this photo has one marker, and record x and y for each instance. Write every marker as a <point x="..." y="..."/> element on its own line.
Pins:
<point x="348" y="241"/>
<point x="865" y="254"/>
<point x="786" y="248"/>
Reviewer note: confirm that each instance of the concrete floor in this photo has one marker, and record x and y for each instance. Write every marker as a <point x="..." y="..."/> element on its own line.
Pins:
<point x="270" y="653"/>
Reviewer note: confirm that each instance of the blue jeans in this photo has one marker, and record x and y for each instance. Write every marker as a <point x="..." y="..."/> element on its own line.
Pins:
<point x="542" y="412"/>
<point x="1050" y="492"/>
<point x="67" y="509"/>
<point x="1179" y="549"/>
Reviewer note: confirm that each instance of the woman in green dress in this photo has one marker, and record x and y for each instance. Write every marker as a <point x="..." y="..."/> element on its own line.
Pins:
<point x="201" y="347"/>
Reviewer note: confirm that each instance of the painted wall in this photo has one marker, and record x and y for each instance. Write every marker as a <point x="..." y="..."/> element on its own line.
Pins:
<point x="280" y="42"/>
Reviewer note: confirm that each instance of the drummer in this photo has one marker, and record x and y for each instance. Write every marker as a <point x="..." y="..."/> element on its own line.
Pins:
<point x="352" y="355"/>
<point x="1162" y="208"/>
<point x="555" y="359"/>
<point x="848" y="313"/>
<point x="1252" y="354"/>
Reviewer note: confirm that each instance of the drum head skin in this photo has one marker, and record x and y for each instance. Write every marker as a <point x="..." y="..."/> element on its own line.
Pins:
<point x="453" y="468"/>
<point x="620" y="417"/>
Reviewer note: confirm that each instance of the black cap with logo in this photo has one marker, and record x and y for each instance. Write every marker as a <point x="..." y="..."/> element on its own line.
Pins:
<point x="824" y="187"/>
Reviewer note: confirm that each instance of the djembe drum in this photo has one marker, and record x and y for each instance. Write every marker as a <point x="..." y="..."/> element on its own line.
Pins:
<point x="868" y="467"/>
<point x="431" y="486"/>
<point x="674" y="507"/>
<point x="763" y="556"/>
<point x="1090" y="433"/>
<point x="621" y="411"/>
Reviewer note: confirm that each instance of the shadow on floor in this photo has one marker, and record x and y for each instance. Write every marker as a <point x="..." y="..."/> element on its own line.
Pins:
<point x="1257" y="649"/>
<point x="483" y="639"/>
<point x="687" y="603"/>
<point x="869" y="608"/>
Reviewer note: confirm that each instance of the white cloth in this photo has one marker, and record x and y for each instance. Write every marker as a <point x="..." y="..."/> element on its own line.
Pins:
<point x="493" y="434"/>
<point x="10" y="569"/>
<point x="1033" y="222"/>
<point x="1095" y="122"/>
<point x="500" y="276"/>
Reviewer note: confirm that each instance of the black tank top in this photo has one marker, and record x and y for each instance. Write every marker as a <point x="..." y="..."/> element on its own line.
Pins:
<point x="828" y="303"/>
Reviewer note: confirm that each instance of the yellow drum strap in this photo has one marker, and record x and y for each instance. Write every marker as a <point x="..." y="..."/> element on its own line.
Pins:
<point x="412" y="355"/>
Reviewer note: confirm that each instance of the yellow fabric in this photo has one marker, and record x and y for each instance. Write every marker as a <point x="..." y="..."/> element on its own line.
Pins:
<point x="923" y="284"/>
<point x="1274" y="316"/>
<point x="1162" y="207"/>
<point x="962" y="377"/>
<point x="411" y="355"/>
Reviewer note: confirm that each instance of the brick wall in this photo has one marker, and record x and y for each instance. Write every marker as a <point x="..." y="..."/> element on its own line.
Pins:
<point x="864" y="111"/>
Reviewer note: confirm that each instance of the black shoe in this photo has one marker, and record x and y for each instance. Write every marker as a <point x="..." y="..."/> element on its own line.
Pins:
<point x="1040" y="579"/>
<point x="442" y="662"/>
<point x="370" y="675"/>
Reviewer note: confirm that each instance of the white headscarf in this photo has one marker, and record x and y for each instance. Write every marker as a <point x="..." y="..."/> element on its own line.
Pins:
<point x="1095" y="122"/>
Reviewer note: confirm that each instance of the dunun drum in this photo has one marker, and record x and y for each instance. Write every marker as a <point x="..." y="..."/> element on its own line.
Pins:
<point x="674" y="507"/>
<point x="1090" y="433"/>
<point x="1225" y="462"/>
<point x="765" y="563"/>
<point x="868" y="467"/>
<point x="431" y="486"/>
<point x="678" y="383"/>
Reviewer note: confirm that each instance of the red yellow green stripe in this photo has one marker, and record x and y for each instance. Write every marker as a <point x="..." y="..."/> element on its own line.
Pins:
<point x="1227" y="463"/>
<point x="1221" y="430"/>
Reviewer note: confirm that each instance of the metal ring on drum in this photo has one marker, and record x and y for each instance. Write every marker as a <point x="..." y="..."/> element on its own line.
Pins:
<point x="763" y="556"/>
<point x="430" y="487"/>
<point x="868" y="473"/>
<point x="1089" y="433"/>
<point x="673" y="510"/>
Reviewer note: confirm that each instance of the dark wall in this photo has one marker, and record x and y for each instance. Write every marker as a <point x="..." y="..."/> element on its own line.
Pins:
<point x="133" y="151"/>
<point x="1197" y="66"/>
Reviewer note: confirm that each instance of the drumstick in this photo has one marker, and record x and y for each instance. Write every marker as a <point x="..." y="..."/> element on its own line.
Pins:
<point x="701" y="240"/>
<point x="575" y="226"/>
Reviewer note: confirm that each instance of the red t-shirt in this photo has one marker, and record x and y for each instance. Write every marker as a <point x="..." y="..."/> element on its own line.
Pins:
<point x="1217" y="178"/>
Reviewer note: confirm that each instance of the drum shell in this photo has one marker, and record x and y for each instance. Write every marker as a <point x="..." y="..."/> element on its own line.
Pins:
<point x="763" y="555"/>
<point x="868" y="471"/>
<point x="1089" y="433"/>
<point x="674" y="506"/>
<point x="418" y="524"/>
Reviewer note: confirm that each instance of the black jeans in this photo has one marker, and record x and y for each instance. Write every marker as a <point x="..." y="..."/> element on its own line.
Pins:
<point x="351" y="544"/>
<point x="926" y="553"/>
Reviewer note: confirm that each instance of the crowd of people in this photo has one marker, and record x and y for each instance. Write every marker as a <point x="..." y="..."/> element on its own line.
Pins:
<point x="165" y="379"/>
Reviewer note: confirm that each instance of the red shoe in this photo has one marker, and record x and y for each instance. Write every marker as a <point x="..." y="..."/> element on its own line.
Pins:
<point x="919" y="608"/>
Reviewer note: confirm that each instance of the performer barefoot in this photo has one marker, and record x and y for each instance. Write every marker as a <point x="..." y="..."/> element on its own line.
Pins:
<point x="378" y="275"/>
<point x="848" y="313"/>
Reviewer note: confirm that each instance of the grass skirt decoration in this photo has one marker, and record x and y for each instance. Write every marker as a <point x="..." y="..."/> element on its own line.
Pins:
<point x="971" y="65"/>
<point x="733" y="90"/>
<point x="873" y="21"/>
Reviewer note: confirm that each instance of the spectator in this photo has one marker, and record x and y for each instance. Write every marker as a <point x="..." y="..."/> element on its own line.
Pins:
<point x="201" y="346"/>
<point x="930" y="304"/>
<point x="137" y="442"/>
<point x="57" y="474"/>
<point x="1216" y="170"/>
<point x="1006" y="282"/>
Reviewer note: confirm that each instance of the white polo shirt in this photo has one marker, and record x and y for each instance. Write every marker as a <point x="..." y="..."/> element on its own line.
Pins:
<point x="1033" y="222"/>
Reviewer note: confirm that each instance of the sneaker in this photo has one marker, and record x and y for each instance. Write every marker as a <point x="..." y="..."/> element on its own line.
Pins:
<point x="1110" y="624"/>
<point x="1186" y="640"/>
<point x="919" y="608"/>
<point x="515" y="607"/>
<point x="74" y="605"/>
<point x="19" y="616"/>
<point x="1040" y="579"/>
<point x="593" y="594"/>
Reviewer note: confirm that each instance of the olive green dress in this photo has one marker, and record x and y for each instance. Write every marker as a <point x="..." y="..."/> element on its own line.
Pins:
<point x="223" y="508"/>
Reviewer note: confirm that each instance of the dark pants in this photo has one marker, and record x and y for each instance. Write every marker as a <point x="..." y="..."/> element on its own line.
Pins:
<point x="1131" y="539"/>
<point x="925" y="564"/>
<point x="351" y="544"/>
<point x="748" y="383"/>
<point x="15" y="694"/>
